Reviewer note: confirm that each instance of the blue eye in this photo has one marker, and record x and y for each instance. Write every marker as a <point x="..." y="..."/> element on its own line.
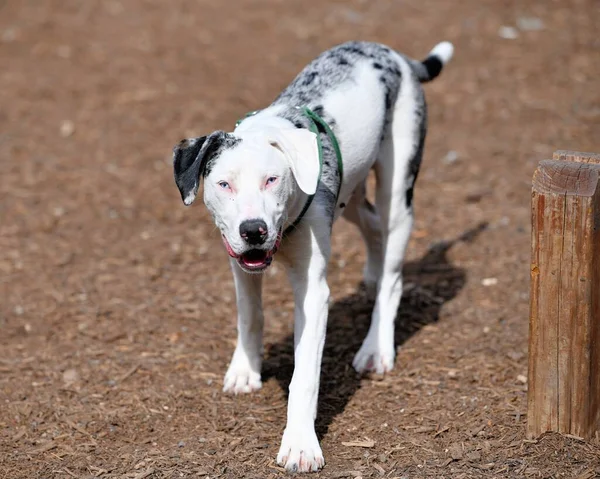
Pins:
<point x="271" y="180"/>
<point x="224" y="185"/>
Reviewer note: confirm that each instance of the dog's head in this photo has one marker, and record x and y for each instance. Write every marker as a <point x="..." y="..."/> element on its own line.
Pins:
<point x="250" y="181"/>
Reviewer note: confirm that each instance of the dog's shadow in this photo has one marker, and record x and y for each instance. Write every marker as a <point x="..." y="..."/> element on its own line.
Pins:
<point x="428" y="284"/>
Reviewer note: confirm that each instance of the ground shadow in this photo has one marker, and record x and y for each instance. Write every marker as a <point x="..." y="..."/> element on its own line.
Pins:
<point x="428" y="284"/>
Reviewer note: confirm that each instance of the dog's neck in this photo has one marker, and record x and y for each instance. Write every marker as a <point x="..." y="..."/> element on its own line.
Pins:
<point x="296" y="204"/>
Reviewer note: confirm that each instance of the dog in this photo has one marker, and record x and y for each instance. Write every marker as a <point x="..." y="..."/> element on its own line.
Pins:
<point x="276" y="184"/>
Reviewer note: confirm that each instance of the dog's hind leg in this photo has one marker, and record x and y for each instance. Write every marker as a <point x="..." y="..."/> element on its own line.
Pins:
<point x="396" y="170"/>
<point x="243" y="374"/>
<point x="363" y="214"/>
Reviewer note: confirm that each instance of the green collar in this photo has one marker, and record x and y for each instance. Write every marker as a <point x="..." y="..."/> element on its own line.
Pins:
<point x="314" y="122"/>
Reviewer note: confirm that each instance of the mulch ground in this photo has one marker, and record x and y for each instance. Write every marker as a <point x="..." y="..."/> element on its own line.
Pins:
<point x="117" y="311"/>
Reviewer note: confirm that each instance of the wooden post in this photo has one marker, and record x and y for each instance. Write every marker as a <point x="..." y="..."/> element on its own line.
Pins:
<point x="564" y="323"/>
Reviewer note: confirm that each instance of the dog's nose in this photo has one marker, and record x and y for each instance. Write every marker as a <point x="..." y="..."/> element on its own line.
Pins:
<point x="254" y="232"/>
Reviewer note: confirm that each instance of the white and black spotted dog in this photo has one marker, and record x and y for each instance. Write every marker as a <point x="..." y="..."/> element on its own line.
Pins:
<point x="276" y="185"/>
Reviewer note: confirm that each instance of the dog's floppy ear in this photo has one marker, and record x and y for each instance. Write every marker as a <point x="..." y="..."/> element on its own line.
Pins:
<point x="301" y="150"/>
<point x="189" y="161"/>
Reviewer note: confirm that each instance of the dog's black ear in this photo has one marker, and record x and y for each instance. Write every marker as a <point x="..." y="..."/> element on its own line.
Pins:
<point x="190" y="157"/>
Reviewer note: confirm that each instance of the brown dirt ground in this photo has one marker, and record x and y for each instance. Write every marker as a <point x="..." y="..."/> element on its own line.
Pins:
<point x="117" y="314"/>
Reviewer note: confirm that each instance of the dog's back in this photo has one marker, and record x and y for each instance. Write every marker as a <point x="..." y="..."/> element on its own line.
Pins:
<point x="358" y="87"/>
<point x="339" y="69"/>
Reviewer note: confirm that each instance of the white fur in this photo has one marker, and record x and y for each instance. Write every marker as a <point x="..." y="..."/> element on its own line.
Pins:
<point x="443" y="51"/>
<point x="357" y="127"/>
<point x="189" y="199"/>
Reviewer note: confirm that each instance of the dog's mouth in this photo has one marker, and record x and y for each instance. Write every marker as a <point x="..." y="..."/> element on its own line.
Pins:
<point x="253" y="260"/>
<point x="256" y="259"/>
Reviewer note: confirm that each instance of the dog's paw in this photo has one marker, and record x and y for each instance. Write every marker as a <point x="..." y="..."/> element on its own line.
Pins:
<point x="239" y="381"/>
<point x="372" y="358"/>
<point x="300" y="451"/>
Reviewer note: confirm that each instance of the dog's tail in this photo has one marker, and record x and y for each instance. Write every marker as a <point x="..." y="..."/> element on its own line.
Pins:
<point x="431" y="67"/>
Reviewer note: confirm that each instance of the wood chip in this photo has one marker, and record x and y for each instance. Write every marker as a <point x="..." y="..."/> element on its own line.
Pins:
<point x="380" y="469"/>
<point x="366" y="443"/>
<point x="456" y="451"/>
<point x="129" y="373"/>
<point x="70" y="376"/>
<point x="46" y="447"/>
<point x="589" y="474"/>
<point x="19" y="435"/>
<point x="236" y="441"/>
<point x="476" y="430"/>
<point x="144" y="474"/>
<point x="67" y="128"/>
<point x="81" y="430"/>
<point x="423" y="429"/>
<point x="474" y="456"/>
<point x="277" y="468"/>
<point x="339" y="475"/>
<point x="98" y="470"/>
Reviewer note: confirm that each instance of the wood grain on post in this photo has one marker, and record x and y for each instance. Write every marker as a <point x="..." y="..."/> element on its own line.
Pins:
<point x="583" y="157"/>
<point x="564" y="328"/>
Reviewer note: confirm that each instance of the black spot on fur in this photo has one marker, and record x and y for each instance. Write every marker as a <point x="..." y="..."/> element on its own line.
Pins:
<point x="342" y="205"/>
<point x="393" y="70"/>
<point x="310" y="77"/>
<point x="297" y="124"/>
<point x="388" y="100"/>
<point x="433" y="65"/>
<point x="352" y="48"/>
<point x="409" y="196"/>
<point x="342" y="61"/>
<point x="225" y="141"/>
<point x="377" y="66"/>
<point x="415" y="162"/>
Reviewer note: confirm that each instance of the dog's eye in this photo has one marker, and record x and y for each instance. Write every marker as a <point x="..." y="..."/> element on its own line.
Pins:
<point x="270" y="180"/>
<point x="224" y="185"/>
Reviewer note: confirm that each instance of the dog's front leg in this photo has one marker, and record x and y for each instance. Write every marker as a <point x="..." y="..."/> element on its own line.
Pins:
<point x="243" y="375"/>
<point x="300" y="450"/>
